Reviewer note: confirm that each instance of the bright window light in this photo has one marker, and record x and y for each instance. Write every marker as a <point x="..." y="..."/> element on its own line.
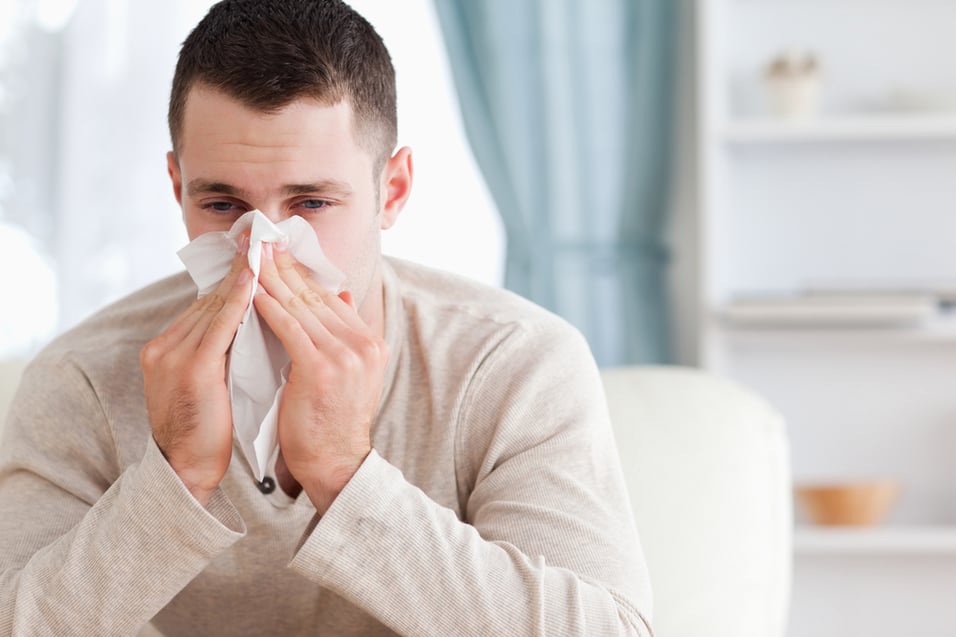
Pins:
<point x="32" y="292"/>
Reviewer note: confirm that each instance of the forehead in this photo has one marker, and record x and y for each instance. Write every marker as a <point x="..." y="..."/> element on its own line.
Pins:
<point x="217" y="126"/>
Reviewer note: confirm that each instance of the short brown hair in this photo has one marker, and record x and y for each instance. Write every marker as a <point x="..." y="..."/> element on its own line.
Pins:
<point x="268" y="53"/>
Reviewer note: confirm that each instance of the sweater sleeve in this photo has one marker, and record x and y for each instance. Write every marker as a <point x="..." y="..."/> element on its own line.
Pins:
<point x="548" y="545"/>
<point x="85" y="549"/>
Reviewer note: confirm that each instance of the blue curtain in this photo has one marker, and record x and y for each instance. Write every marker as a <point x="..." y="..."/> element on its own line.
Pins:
<point x="568" y="107"/>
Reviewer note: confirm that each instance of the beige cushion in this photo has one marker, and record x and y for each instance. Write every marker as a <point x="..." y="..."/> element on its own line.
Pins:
<point x="707" y="467"/>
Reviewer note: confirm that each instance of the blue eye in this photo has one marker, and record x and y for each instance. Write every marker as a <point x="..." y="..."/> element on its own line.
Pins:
<point x="220" y="206"/>
<point x="314" y="204"/>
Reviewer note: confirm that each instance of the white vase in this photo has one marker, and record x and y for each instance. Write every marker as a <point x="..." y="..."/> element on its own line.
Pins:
<point x="793" y="96"/>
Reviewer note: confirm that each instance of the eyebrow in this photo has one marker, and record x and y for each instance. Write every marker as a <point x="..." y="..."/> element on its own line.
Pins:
<point x="323" y="186"/>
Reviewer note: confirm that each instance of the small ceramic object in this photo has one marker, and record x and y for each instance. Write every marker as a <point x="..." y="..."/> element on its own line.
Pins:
<point x="848" y="504"/>
<point x="793" y="83"/>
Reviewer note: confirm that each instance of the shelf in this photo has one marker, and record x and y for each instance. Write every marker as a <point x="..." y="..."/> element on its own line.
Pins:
<point x="857" y="309"/>
<point x="942" y="330"/>
<point x="887" y="540"/>
<point x="841" y="129"/>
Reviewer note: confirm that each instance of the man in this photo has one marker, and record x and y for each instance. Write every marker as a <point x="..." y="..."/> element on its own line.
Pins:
<point x="446" y="463"/>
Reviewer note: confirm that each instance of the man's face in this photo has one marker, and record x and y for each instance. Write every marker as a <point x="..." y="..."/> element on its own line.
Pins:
<point x="303" y="160"/>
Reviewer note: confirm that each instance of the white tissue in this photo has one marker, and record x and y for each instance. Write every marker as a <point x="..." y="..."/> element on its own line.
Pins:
<point x="258" y="364"/>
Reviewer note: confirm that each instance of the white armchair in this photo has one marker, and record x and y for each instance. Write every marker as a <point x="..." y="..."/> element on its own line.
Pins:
<point x="707" y="466"/>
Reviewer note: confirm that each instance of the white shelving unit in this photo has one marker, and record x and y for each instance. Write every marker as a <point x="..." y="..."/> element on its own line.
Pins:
<point x="859" y="196"/>
<point x="912" y="540"/>
<point x="870" y="129"/>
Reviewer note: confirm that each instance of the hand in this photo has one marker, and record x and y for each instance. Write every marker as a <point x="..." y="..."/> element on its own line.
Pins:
<point x="184" y="375"/>
<point x="335" y="381"/>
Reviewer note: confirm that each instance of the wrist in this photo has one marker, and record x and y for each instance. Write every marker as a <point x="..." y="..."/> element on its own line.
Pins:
<point x="201" y="495"/>
<point x="201" y="490"/>
<point x="196" y="481"/>
<point x="323" y="490"/>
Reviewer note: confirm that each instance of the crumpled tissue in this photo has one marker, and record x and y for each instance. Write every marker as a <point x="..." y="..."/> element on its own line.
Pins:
<point x="258" y="365"/>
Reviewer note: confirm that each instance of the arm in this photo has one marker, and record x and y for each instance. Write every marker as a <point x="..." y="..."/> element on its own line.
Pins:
<point x="550" y="548"/>
<point x="85" y="549"/>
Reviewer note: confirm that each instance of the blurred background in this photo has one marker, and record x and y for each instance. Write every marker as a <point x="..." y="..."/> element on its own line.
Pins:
<point x="85" y="202"/>
<point x="760" y="188"/>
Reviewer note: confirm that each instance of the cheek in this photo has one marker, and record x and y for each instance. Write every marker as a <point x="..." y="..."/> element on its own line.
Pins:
<point x="353" y="248"/>
<point x="197" y="227"/>
<point x="335" y="243"/>
<point x="342" y="235"/>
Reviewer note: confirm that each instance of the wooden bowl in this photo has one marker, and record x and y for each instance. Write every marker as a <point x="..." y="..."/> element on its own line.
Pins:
<point x="848" y="504"/>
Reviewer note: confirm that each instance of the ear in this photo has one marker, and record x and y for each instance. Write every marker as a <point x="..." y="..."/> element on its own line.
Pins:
<point x="175" y="175"/>
<point x="397" y="184"/>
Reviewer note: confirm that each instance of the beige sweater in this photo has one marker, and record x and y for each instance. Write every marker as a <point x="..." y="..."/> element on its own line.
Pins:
<point x="492" y="504"/>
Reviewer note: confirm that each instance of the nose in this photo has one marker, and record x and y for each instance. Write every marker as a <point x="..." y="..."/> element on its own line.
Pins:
<point x="272" y="213"/>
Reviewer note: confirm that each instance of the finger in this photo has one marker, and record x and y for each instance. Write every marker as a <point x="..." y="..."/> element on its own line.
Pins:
<point x="344" y="305"/>
<point x="292" y="273"/>
<point x="299" y="342"/>
<point x="180" y="328"/>
<point x="300" y="282"/>
<point x="222" y="327"/>
<point x="214" y="302"/>
<point x="358" y="339"/>
<point x="299" y="299"/>
<point x="187" y="319"/>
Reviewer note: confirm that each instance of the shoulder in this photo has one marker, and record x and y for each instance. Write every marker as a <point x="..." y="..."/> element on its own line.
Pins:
<point x="491" y="345"/>
<point x="446" y="301"/>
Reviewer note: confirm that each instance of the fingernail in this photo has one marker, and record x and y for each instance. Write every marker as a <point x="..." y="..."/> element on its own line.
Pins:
<point x="282" y="245"/>
<point x="244" y="276"/>
<point x="243" y="244"/>
<point x="267" y="249"/>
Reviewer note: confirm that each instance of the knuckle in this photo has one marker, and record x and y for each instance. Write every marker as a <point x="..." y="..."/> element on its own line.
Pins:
<point x="384" y="351"/>
<point x="149" y="355"/>
<point x="199" y="303"/>
<point x="320" y="292"/>
<point x="236" y="305"/>
<point x="215" y="302"/>
<point x="367" y="348"/>
<point x="220" y="323"/>
<point x="296" y="302"/>
<point x="284" y="262"/>
<point x="304" y="297"/>
<point x="352" y="361"/>
<point x="338" y="356"/>
<point x="310" y="296"/>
